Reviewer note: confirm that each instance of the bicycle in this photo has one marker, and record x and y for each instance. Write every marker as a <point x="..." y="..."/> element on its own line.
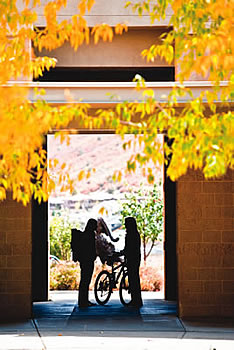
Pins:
<point x="106" y="281"/>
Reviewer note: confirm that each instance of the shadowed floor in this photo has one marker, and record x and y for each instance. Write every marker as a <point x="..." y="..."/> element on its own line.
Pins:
<point x="59" y="324"/>
<point x="62" y="310"/>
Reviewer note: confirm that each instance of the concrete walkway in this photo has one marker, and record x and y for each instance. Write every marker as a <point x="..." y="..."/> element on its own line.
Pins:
<point x="60" y="324"/>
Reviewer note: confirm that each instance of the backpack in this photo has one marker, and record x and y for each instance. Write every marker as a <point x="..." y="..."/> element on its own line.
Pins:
<point x="76" y="244"/>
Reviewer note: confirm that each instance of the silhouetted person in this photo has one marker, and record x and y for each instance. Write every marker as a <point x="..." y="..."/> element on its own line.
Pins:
<point x="132" y="252"/>
<point x="87" y="257"/>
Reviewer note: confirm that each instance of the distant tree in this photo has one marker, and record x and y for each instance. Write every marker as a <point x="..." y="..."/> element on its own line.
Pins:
<point x="146" y="206"/>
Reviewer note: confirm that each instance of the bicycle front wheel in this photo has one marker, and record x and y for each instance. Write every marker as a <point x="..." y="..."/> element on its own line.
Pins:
<point x="124" y="291"/>
<point x="102" y="287"/>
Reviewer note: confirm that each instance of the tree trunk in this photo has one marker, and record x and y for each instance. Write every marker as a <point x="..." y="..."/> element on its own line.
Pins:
<point x="150" y="250"/>
<point x="144" y="249"/>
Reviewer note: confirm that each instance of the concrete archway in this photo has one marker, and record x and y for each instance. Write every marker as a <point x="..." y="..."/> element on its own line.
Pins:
<point x="40" y="246"/>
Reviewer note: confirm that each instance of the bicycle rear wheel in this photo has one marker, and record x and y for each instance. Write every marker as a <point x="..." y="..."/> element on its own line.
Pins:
<point x="102" y="287"/>
<point x="124" y="292"/>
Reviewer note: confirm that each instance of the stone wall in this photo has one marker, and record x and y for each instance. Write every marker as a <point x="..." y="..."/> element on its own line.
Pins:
<point x="205" y="246"/>
<point x="15" y="260"/>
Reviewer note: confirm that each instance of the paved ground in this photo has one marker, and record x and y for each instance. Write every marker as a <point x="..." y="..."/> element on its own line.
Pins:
<point x="59" y="324"/>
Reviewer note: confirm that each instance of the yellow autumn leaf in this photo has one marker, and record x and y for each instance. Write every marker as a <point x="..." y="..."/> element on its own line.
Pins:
<point x="103" y="211"/>
<point x="82" y="7"/>
<point x="81" y="175"/>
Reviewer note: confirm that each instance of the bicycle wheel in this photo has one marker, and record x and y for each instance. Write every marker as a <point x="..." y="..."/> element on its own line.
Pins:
<point x="124" y="292"/>
<point x="102" y="287"/>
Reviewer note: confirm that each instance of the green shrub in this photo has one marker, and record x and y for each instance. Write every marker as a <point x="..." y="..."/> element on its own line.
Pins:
<point x="60" y="236"/>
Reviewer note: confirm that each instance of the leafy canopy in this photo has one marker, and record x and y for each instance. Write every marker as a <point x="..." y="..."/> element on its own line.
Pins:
<point x="199" y="41"/>
<point x="23" y="161"/>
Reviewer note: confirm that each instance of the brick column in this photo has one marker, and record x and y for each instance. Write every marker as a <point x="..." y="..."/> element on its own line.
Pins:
<point x="205" y="247"/>
<point x="15" y="260"/>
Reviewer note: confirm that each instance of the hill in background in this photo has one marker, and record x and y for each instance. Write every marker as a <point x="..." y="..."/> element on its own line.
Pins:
<point x="103" y="152"/>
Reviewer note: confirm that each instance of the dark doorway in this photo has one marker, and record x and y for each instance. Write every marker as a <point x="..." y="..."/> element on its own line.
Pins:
<point x="40" y="246"/>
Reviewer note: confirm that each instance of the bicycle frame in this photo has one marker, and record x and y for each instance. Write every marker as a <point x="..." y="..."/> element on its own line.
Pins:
<point x="115" y="277"/>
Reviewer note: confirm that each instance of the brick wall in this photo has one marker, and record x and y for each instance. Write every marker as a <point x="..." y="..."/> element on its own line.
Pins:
<point x="15" y="260"/>
<point x="205" y="246"/>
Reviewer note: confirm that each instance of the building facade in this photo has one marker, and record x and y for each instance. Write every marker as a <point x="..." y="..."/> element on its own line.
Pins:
<point x="203" y="240"/>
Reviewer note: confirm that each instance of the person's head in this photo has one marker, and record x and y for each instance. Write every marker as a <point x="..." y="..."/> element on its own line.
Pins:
<point x="131" y="225"/>
<point x="91" y="225"/>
